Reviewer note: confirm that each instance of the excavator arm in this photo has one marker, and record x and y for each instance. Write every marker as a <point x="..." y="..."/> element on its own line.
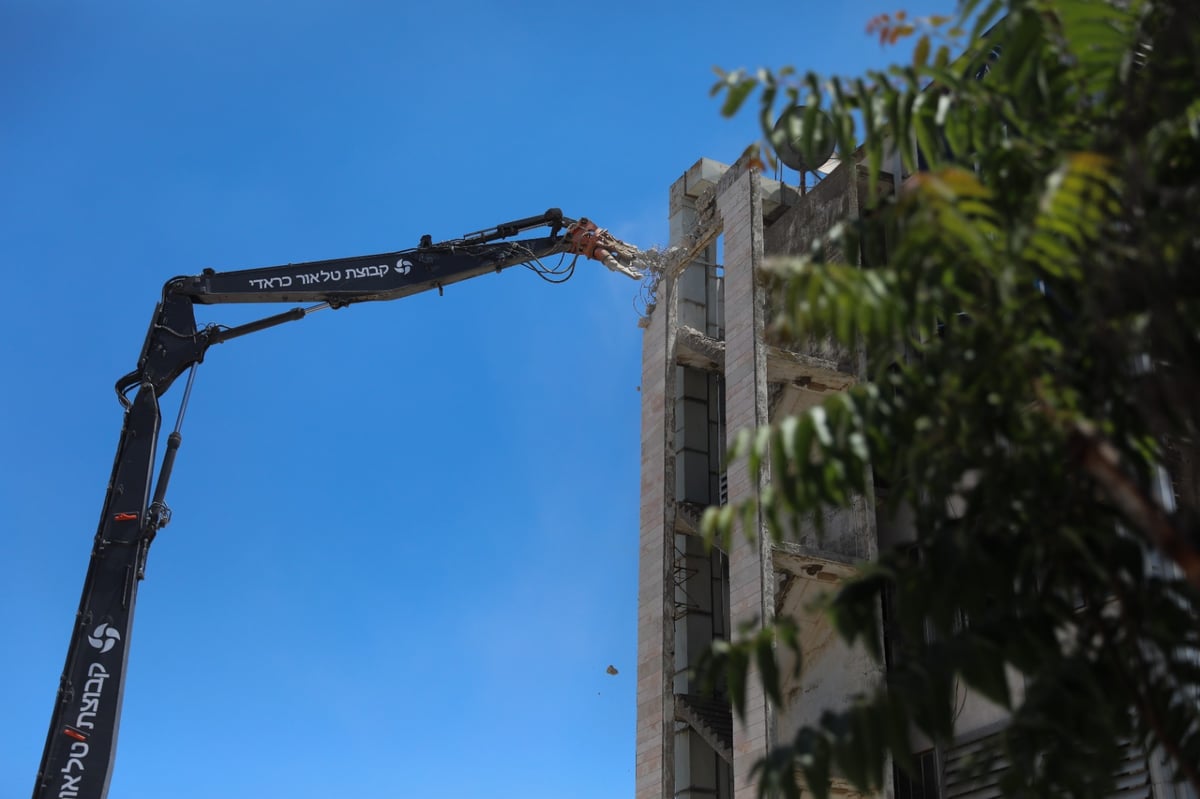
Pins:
<point x="389" y="276"/>
<point x="81" y="742"/>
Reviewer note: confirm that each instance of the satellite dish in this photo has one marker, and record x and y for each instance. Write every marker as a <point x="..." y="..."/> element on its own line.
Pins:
<point x="790" y="133"/>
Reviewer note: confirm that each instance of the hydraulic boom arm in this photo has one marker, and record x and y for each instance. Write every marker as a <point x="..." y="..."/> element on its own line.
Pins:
<point x="81" y="743"/>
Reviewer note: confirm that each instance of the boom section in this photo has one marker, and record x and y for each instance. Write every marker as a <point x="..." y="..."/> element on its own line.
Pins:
<point x="385" y="276"/>
<point x="82" y="740"/>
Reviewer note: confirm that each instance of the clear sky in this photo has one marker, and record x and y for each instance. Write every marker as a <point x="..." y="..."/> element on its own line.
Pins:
<point x="404" y="547"/>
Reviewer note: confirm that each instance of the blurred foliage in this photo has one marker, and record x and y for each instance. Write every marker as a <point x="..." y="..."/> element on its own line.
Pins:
<point x="1029" y="306"/>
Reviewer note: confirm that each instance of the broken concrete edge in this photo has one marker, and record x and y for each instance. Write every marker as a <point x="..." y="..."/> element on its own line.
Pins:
<point x="821" y="375"/>
<point x="703" y="182"/>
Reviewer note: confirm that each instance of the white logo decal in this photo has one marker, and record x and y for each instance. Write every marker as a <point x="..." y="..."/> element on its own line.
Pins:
<point x="104" y="637"/>
<point x="403" y="267"/>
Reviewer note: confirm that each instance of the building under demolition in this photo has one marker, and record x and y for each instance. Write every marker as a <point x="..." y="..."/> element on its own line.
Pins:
<point x="707" y="372"/>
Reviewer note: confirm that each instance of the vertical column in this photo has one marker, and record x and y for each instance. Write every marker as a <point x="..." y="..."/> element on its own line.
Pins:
<point x="739" y="203"/>
<point x="655" y="754"/>
<point x="654" y="770"/>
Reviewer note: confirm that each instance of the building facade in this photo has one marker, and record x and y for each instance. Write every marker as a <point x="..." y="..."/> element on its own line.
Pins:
<point x="707" y="372"/>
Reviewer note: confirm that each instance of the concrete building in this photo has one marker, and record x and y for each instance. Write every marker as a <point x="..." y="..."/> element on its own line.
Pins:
<point x="707" y="372"/>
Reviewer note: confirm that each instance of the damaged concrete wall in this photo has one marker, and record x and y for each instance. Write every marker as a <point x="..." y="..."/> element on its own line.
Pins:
<point x="830" y="201"/>
<point x="709" y="371"/>
<point x="814" y="562"/>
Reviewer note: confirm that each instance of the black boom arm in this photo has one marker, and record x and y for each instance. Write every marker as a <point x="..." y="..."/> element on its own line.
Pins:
<point x="81" y="743"/>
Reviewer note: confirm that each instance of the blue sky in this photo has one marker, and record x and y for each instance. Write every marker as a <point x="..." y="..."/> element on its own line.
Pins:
<point x="404" y="547"/>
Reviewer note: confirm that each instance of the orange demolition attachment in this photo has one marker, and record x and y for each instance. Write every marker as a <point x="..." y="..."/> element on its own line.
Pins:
<point x="585" y="238"/>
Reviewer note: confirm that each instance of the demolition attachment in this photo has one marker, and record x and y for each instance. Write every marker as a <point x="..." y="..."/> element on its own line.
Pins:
<point x="586" y="239"/>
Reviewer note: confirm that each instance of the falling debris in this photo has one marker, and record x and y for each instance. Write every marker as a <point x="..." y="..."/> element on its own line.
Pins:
<point x="651" y="263"/>
<point x="612" y="669"/>
<point x="653" y="260"/>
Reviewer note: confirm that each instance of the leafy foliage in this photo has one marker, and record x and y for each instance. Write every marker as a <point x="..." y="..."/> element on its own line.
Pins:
<point x="1029" y="303"/>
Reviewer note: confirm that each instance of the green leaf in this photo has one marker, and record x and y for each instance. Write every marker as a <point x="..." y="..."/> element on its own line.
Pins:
<point x="983" y="669"/>
<point x="921" y="51"/>
<point x="787" y="437"/>
<point x="819" y="417"/>
<point x="768" y="667"/>
<point x="737" y="89"/>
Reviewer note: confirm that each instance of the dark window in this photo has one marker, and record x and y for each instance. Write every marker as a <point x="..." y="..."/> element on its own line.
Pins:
<point x="922" y="783"/>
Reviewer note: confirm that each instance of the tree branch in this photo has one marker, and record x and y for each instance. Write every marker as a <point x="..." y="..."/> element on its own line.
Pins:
<point x="1102" y="462"/>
